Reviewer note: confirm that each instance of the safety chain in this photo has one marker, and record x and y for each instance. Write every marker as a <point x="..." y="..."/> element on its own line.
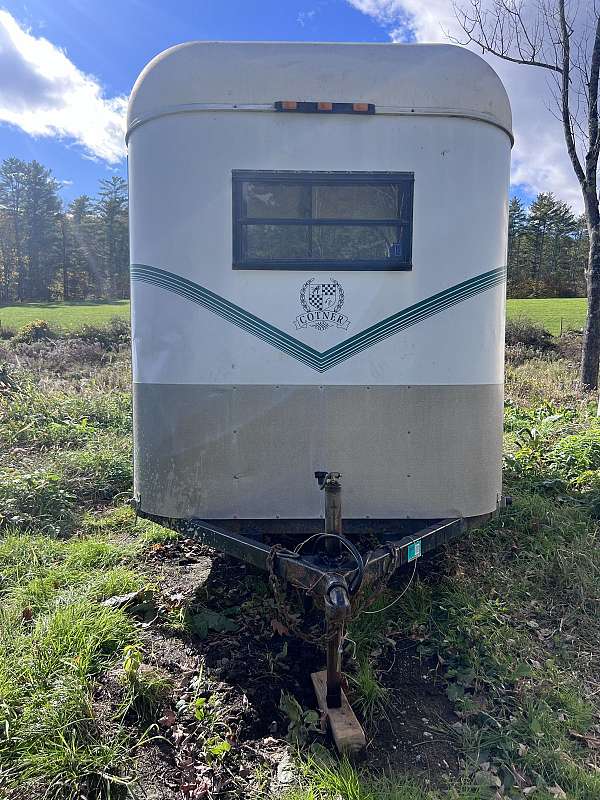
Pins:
<point x="320" y="640"/>
<point x="358" y="602"/>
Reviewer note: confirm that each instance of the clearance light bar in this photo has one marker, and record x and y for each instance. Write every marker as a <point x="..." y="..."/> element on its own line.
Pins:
<point x="323" y="107"/>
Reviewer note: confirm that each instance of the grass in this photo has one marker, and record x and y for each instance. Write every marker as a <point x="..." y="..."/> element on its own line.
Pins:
<point x="549" y="312"/>
<point x="63" y="316"/>
<point x="511" y="619"/>
<point x="70" y="316"/>
<point x="326" y="779"/>
<point x="55" y="638"/>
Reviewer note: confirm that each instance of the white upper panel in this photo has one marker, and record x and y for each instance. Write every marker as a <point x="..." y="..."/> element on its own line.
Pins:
<point x="411" y="78"/>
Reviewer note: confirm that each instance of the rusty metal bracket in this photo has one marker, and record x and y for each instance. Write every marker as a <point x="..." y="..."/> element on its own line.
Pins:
<point x="311" y="570"/>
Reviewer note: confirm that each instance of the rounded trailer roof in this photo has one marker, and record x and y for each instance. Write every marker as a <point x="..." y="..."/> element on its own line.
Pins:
<point x="436" y="79"/>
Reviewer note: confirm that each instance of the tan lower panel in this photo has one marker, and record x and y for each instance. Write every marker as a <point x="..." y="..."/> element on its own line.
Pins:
<point x="249" y="452"/>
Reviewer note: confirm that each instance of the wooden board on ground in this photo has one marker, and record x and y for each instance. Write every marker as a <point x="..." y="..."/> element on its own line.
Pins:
<point x="346" y="730"/>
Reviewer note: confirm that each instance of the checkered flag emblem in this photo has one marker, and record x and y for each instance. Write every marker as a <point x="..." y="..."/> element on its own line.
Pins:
<point x="322" y="303"/>
<point x="316" y="300"/>
<point x="323" y="296"/>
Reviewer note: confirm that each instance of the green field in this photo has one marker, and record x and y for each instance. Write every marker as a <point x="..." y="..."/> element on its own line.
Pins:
<point x="66" y="316"/>
<point x="548" y="312"/>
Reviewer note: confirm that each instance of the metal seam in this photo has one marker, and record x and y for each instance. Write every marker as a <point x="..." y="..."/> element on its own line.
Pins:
<point x="401" y="111"/>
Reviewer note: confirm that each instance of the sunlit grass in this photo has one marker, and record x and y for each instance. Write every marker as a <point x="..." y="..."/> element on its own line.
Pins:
<point x="549" y="312"/>
<point x="66" y="316"/>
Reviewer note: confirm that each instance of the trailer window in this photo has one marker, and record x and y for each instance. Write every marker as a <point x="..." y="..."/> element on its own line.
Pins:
<point x="312" y="220"/>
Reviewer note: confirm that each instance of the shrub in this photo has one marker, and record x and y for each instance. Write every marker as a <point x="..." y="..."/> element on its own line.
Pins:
<point x="522" y="331"/>
<point x="34" y="331"/>
<point x="6" y="333"/>
<point x="112" y="336"/>
<point x="64" y="358"/>
<point x="519" y="354"/>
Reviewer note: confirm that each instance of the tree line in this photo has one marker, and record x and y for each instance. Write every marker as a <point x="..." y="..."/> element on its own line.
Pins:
<point x="547" y="249"/>
<point x="49" y="251"/>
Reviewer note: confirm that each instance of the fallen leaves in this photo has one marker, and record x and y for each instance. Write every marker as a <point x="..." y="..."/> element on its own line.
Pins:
<point x="593" y="742"/>
<point x="279" y="628"/>
<point x="168" y="719"/>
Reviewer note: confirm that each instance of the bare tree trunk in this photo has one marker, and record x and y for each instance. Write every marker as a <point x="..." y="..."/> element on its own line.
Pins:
<point x="590" y="357"/>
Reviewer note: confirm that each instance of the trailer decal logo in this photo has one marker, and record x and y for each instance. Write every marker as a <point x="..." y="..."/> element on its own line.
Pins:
<point x="320" y="361"/>
<point x="322" y="303"/>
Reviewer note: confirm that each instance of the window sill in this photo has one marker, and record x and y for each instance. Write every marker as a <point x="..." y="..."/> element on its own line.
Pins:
<point x="388" y="265"/>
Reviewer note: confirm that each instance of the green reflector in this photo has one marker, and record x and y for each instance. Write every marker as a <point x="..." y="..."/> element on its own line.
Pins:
<point x="414" y="550"/>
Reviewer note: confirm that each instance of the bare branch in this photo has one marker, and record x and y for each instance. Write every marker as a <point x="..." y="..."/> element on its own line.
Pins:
<point x="566" y="32"/>
<point x="504" y="33"/>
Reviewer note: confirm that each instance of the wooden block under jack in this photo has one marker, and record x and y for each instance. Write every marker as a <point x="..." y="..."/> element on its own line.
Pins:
<point x="346" y="730"/>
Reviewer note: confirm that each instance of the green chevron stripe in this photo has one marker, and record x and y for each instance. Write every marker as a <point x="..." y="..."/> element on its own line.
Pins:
<point x="262" y="330"/>
<point x="226" y="309"/>
<point x="405" y="323"/>
<point x="419" y="311"/>
<point x="386" y="327"/>
<point x="319" y="361"/>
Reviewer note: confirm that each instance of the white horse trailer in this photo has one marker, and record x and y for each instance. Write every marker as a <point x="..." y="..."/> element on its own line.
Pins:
<point x="318" y="245"/>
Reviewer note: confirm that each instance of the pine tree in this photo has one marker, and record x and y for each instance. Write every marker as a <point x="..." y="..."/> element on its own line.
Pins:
<point x="111" y="209"/>
<point x="517" y="224"/>
<point x="41" y="215"/>
<point x="13" y="181"/>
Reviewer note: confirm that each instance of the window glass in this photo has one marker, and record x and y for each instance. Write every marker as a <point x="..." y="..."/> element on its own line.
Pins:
<point x="346" y="201"/>
<point x="277" y="241"/>
<point x="353" y="242"/>
<point x="311" y="220"/>
<point x="265" y="200"/>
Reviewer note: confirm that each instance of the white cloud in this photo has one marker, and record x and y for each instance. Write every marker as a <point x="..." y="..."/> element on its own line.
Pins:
<point x="45" y="94"/>
<point x="539" y="160"/>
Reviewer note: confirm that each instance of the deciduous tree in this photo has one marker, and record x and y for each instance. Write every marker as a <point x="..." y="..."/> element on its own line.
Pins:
<point x="563" y="38"/>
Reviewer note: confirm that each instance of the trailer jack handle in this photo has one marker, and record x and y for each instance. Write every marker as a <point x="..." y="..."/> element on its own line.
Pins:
<point x="337" y="614"/>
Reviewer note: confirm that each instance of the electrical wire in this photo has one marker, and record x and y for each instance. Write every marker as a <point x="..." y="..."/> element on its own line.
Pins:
<point x="400" y="596"/>
<point x="354" y="552"/>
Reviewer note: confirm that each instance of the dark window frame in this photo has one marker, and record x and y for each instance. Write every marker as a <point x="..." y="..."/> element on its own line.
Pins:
<point x="240" y="260"/>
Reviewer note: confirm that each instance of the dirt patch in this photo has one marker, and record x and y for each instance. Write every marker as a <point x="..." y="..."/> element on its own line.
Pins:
<point x="157" y="776"/>
<point x="180" y="566"/>
<point x="415" y="737"/>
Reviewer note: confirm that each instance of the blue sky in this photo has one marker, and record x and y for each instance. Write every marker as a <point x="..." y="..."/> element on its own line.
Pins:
<point x="112" y="41"/>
